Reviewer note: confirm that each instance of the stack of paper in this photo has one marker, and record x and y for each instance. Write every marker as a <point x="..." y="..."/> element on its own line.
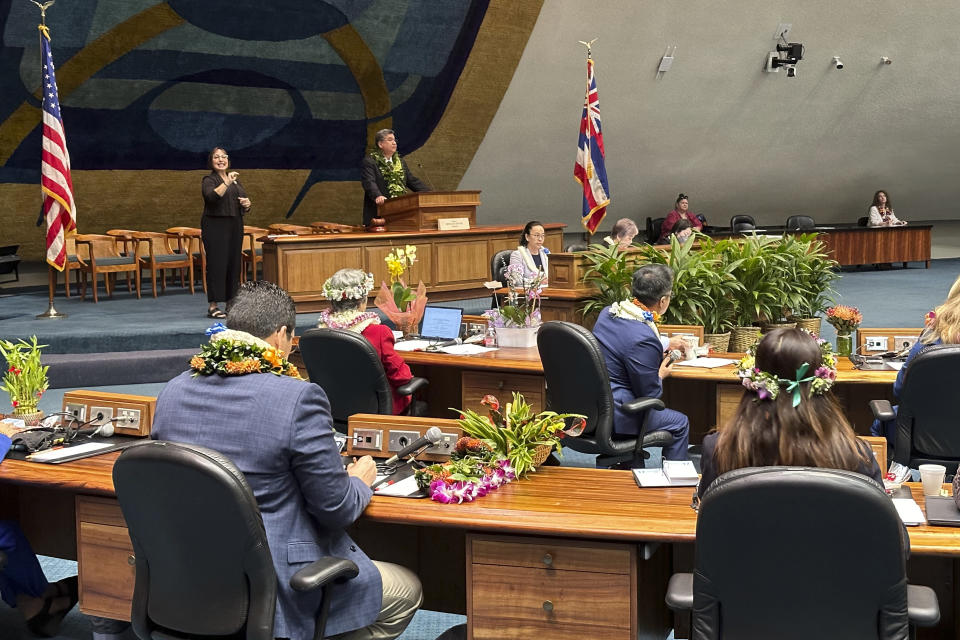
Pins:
<point x="675" y="473"/>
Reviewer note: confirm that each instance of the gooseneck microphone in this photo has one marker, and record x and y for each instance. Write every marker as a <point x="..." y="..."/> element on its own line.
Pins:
<point x="431" y="437"/>
<point x="423" y="172"/>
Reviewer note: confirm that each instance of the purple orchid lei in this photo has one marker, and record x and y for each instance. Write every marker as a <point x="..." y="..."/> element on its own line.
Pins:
<point x="469" y="490"/>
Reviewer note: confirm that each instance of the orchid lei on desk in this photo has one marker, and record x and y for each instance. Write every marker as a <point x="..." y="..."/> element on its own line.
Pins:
<point x="497" y="449"/>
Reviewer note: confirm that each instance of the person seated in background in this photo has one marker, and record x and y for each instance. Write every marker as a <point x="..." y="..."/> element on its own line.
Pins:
<point x="881" y="212"/>
<point x="787" y="415"/>
<point x="276" y="428"/>
<point x="622" y="234"/>
<point x="634" y="352"/>
<point x="942" y="327"/>
<point x="683" y="230"/>
<point x="531" y="255"/>
<point x="681" y="211"/>
<point x="22" y="583"/>
<point x="348" y="290"/>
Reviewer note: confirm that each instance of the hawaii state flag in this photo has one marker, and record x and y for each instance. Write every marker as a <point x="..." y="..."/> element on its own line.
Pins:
<point x="59" y="210"/>
<point x="590" y="171"/>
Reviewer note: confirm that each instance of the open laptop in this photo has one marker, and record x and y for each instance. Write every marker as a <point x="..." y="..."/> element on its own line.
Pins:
<point x="440" y="323"/>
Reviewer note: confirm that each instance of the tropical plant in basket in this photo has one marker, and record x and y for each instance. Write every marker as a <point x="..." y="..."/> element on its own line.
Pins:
<point x="26" y="378"/>
<point x="610" y="271"/>
<point x="517" y="431"/>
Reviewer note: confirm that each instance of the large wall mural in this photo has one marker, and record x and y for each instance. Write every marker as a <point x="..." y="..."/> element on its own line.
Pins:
<point x="294" y="89"/>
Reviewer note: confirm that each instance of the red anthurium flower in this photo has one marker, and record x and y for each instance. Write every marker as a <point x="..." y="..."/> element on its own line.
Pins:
<point x="491" y="401"/>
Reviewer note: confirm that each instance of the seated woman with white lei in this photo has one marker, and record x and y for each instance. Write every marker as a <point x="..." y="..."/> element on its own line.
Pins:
<point x="347" y="291"/>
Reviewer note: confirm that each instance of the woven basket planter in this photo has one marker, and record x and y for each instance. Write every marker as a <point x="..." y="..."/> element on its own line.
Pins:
<point x="541" y="453"/>
<point x="810" y="324"/>
<point x="741" y="338"/>
<point x="770" y="326"/>
<point x="719" y="342"/>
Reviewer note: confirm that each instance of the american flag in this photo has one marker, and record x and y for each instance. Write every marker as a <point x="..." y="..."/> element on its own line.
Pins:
<point x="59" y="210"/>
<point x="590" y="171"/>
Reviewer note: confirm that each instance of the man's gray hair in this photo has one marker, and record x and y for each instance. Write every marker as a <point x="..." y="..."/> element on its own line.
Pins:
<point x="381" y="135"/>
<point x="651" y="282"/>
<point x="260" y="308"/>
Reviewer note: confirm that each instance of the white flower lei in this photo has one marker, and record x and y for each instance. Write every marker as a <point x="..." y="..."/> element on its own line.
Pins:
<point x="355" y="292"/>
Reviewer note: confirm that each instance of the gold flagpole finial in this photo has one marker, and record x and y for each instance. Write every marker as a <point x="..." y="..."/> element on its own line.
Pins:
<point x="43" y="11"/>
<point x="588" y="45"/>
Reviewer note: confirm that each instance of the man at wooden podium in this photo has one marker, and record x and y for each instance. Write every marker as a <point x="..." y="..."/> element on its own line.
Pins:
<point x="384" y="174"/>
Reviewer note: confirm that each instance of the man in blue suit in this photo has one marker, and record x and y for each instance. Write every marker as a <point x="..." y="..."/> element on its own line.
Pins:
<point x="634" y="353"/>
<point x="277" y="429"/>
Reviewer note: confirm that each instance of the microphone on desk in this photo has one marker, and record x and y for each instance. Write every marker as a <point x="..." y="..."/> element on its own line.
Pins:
<point x="431" y="437"/>
<point x="445" y="343"/>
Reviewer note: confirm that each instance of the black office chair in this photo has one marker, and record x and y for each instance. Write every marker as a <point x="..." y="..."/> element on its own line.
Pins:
<point x="498" y="266"/>
<point x="799" y="552"/>
<point x="654" y="227"/>
<point x="348" y="369"/>
<point x="204" y="569"/>
<point x="578" y="382"/>
<point x="800" y="223"/>
<point x="742" y="222"/>
<point x="578" y="246"/>
<point x="928" y="425"/>
<point x="10" y="262"/>
<point x="863" y="221"/>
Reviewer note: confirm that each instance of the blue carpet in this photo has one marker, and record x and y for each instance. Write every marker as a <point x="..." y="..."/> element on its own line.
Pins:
<point x="426" y="625"/>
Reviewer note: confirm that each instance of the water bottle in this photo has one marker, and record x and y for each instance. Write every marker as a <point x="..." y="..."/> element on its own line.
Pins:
<point x="490" y="338"/>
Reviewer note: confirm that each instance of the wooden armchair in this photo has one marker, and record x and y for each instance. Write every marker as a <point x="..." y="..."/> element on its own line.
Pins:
<point x="73" y="263"/>
<point x="162" y="251"/>
<point x="290" y="229"/>
<point x="190" y="240"/>
<point x="101" y="254"/>
<point x="252" y="253"/>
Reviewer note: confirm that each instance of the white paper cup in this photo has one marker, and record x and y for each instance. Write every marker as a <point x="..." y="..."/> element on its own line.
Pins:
<point x="932" y="476"/>
<point x="691" y="342"/>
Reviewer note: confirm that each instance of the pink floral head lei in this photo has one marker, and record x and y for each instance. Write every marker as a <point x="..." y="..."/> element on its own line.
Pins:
<point x="767" y="386"/>
<point x="357" y="291"/>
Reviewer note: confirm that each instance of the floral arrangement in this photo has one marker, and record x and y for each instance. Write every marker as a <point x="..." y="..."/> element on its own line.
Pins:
<point x="401" y="303"/>
<point x="25" y="379"/>
<point x="844" y="318"/>
<point x="235" y="353"/>
<point x="496" y="449"/>
<point x="522" y="305"/>
<point x="474" y="470"/>
<point x="767" y="386"/>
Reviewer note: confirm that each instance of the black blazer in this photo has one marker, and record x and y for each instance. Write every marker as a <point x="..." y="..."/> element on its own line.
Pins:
<point x="225" y="206"/>
<point x="374" y="185"/>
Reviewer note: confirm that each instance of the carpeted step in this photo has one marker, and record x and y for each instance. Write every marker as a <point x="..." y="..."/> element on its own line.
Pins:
<point x="84" y="370"/>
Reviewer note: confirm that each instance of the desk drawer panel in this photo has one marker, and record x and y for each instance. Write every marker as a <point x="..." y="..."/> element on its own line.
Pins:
<point x="545" y="603"/>
<point x="558" y="555"/>
<point x="476" y="384"/>
<point x="106" y="573"/>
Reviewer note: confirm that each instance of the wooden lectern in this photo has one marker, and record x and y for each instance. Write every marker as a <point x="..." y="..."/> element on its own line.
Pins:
<point x="420" y="211"/>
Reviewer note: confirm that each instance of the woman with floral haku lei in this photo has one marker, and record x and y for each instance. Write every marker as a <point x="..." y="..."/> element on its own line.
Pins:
<point x="787" y="415"/>
<point x="347" y="291"/>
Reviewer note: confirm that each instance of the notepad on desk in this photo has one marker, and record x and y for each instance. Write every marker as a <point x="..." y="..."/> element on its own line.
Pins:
<point x="707" y="363"/>
<point x="673" y="473"/>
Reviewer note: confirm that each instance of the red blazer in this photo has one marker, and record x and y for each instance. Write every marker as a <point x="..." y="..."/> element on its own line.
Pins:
<point x="398" y="372"/>
<point x="673" y="218"/>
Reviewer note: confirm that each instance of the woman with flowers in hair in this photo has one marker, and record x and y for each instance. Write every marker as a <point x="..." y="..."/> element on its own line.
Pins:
<point x="941" y="326"/>
<point x="787" y="416"/>
<point x="347" y="291"/>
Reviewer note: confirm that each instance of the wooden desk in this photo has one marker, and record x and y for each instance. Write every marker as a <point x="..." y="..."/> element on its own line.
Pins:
<point x="452" y="264"/>
<point x="600" y="531"/>
<point x="706" y="396"/>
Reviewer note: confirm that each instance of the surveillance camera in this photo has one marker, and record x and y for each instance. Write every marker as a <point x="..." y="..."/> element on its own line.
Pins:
<point x="791" y="72"/>
<point x="838" y="63"/>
